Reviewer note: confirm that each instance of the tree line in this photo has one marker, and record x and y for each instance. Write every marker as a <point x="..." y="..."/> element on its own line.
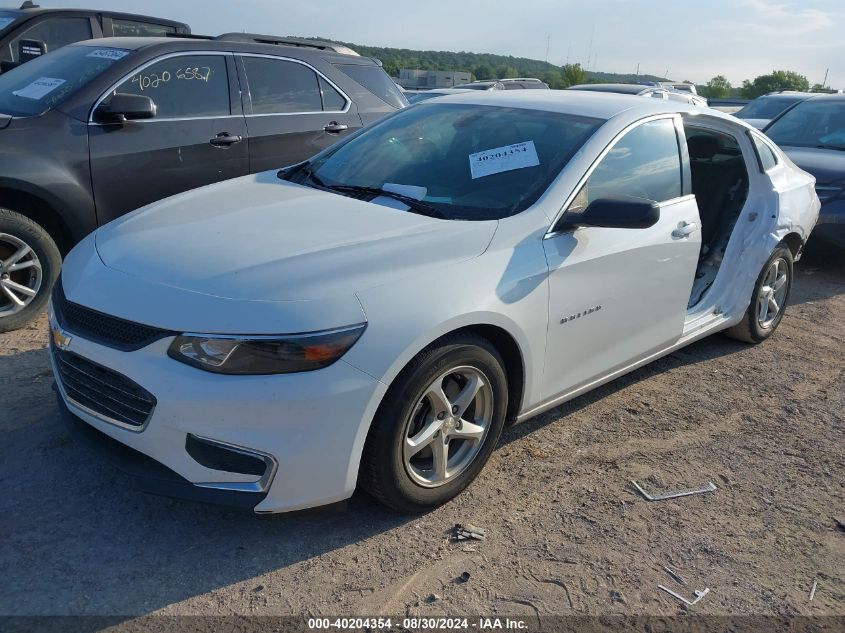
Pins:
<point x="719" y="87"/>
<point x="489" y="66"/>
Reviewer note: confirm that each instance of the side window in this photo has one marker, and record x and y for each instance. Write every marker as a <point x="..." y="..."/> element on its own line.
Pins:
<point x="134" y="28"/>
<point x="764" y="153"/>
<point x="184" y="86"/>
<point x="279" y="87"/>
<point x="333" y="101"/>
<point x="645" y="163"/>
<point x="55" y="33"/>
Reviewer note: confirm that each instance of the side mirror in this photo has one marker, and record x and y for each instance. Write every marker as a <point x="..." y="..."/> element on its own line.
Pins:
<point x="121" y="107"/>
<point x="615" y="212"/>
<point x="30" y="49"/>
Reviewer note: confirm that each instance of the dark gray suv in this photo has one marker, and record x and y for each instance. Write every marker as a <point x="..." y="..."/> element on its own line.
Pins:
<point x="99" y="128"/>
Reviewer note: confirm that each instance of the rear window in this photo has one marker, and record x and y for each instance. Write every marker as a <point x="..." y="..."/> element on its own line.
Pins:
<point x="44" y="83"/>
<point x="134" y="28"/>
<point x="374" y="79"/>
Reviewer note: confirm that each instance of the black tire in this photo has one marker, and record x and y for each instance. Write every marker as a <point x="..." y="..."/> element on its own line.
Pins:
<point x="45" y="249"/>
<point x="383" y="472"/>
<point x="750" y="329"/>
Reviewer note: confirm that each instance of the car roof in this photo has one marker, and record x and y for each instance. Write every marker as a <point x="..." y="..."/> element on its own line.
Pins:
<point x="603" y="105"/>
<point x="27" y="11"/>
<point x="630" y="89"/>
<point x="176" y="44"/>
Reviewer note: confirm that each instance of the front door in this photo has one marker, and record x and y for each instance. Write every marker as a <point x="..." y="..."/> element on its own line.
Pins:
<point x="619" y="295"/>
<point x="197" y="137"/>
<point x="292" y="112"/>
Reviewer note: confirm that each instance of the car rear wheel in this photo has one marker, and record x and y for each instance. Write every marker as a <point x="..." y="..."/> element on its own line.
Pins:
<point x="769" y="300"/>
<point x="437" y="426"/>
<point x="29" y="264"/>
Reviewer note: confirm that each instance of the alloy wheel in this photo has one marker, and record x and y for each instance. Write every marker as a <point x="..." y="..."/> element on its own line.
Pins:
<point x="20" y="274"/>
<point x="772" y="296"/>
<point x="447" y="427"/>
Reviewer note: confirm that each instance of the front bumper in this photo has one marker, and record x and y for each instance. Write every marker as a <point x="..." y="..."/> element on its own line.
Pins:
<point x="831" y="224"/>
<point x="311" y="426"/>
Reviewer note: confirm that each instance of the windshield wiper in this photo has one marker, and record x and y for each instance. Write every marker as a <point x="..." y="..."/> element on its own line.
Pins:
<point x="840" y="148"/>
<point x="415" y="205"/>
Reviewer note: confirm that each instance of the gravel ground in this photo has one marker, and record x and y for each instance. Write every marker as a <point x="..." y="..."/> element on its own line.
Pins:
<point x="565" y="532"/>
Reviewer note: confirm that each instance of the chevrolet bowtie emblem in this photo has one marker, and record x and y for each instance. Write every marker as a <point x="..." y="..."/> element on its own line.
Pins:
<point x="60" y="339"/>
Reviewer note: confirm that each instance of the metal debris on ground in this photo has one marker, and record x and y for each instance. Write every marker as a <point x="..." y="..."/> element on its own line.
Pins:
<point x="710" y="487"/>
<point x="698" y="595"/>
<point x="466" y="531"/>
<point x="675" y="576"/>
<point x="813" y="590"/>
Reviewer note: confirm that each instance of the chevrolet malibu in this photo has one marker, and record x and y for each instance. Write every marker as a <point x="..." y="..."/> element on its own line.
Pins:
<point x="373" y="317"/>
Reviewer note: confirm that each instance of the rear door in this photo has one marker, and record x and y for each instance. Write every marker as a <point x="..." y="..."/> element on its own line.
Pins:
<point x="197" y="137"/>
<point x="620" y="295"/>
<point x="292" y="111"/>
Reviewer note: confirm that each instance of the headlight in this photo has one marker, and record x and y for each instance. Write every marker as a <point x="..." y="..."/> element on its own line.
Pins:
<point x="265" y="354"/>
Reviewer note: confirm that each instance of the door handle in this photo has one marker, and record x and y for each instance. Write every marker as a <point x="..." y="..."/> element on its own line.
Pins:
<point x="224" y="139"/>
<point x="335" y="128"/>
<point x="685" y="229"/>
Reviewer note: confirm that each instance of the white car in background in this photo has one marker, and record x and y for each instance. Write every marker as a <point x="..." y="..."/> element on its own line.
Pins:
<point x="376" y="315"/>
<point x="648" y="91"/>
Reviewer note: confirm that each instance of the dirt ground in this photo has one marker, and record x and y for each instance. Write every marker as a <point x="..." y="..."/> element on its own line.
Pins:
<point x="566" y="534"/>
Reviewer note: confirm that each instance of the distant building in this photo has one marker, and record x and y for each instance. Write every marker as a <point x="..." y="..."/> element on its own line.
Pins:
<point x="411" y="78"/>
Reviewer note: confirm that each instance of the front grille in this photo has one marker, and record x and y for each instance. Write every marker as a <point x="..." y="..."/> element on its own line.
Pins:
<point x="102" y="328"/>
<point x="104" y="392"/>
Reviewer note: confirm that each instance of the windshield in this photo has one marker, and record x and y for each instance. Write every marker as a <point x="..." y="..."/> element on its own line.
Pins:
<point x="37" y="86"/>
<point x="766" y="107"/>
<point x="467" y="162"/>
<point x="813" y="123"/>
<point x="6" y="18"/>
<point x="477" y="85"/>
<point x="422" y="96"/>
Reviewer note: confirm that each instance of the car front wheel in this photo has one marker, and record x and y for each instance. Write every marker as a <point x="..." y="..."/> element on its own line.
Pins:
<point x="769" y="299"/>
<point x="437" y="426"/>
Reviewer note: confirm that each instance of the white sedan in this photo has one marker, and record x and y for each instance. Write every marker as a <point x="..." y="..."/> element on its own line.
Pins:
<point x="376" y="315"/>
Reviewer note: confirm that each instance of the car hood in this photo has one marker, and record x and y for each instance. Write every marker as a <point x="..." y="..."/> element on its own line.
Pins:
<point x="260" y="238"/>
<point x="757" y="123"/>
<point x="827" y="165"/>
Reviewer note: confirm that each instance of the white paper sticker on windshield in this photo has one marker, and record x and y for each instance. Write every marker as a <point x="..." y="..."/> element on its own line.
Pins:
<point x="108" y="53"/>
<point x="39" y="88"/>
<point x="499" y="159"/>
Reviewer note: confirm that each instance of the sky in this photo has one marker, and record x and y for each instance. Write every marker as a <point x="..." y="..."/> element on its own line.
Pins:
<point x="684" y="39"/>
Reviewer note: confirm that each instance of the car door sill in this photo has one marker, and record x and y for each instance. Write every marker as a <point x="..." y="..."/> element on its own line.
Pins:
<point x="699" y="332"/>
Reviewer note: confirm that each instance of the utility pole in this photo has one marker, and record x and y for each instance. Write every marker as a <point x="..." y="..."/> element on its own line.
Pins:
<point x="548" y="41"/>
<point x="638" y="69"/>
<point x="824" y="83"/>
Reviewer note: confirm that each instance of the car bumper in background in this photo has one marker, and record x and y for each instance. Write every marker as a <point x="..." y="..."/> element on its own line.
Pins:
<point x="831" y="224"/>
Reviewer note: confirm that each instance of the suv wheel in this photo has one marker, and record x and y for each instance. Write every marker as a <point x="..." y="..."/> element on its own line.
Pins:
<point x="29" y="264"/>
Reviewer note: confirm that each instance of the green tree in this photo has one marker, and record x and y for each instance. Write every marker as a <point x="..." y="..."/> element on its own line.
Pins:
<point x="483" y="71"/>
<point x="777" y="80"/>
<point x="573" y="75"/>
<point x="718" y="88"/>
